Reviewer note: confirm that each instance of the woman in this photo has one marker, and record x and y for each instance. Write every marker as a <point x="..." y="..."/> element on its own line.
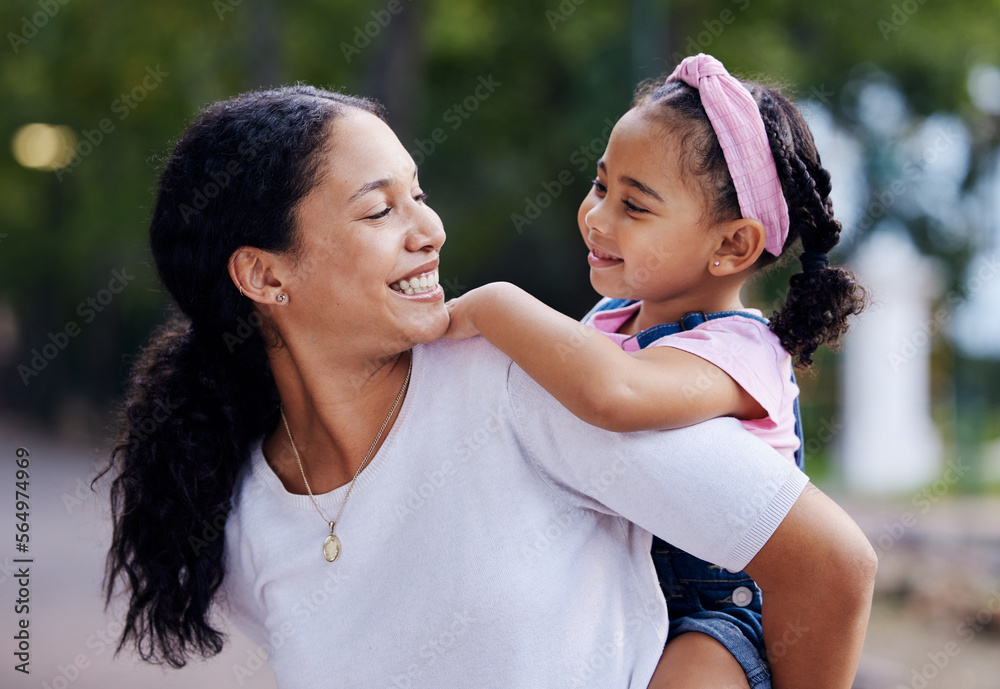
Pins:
<point x="403" y="513"/>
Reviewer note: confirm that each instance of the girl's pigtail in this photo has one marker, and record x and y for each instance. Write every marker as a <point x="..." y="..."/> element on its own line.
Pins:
<point x="821" y="297"/>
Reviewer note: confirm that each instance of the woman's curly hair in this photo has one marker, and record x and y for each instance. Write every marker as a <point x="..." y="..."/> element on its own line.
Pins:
<point x="820" y="299"/>
<point x="201" y="391"/>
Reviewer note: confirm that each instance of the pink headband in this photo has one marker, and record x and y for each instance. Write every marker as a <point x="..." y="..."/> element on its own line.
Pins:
<point x="738" y="125"/>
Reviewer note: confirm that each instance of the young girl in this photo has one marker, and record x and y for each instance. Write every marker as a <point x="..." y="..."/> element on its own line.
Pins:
<point x="705" y="181"/>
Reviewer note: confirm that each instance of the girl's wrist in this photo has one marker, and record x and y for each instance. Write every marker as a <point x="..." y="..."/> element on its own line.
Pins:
<point x="488" y="301"/>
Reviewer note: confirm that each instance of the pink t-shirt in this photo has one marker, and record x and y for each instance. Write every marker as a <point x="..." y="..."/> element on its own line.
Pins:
<point x="742" y="347"/>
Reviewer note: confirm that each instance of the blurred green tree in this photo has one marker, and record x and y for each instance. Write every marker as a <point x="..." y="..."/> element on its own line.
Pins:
<point x="505" y="106"/>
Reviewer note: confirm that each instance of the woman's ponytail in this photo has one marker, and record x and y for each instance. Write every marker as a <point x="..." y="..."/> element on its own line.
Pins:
<point x="187" y="423"/>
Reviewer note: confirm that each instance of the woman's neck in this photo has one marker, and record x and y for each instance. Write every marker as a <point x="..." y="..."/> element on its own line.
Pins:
<point x="334" y="412"/>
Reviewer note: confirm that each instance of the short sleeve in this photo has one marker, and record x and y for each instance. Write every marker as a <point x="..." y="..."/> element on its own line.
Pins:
<point x="712" y="489"/>
<point x="748" y="352"/>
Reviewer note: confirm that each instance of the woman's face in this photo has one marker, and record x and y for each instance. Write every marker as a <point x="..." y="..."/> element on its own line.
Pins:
<point x="363" y="230"/>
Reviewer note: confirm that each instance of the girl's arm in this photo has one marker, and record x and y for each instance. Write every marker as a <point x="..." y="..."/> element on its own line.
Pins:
<point x="654" y="388"/>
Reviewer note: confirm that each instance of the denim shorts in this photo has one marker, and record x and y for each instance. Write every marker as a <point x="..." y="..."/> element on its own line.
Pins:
<point x="702" y="597"/>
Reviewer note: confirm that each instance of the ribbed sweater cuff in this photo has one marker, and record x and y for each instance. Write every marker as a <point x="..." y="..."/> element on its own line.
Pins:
<point x="768" y="522"/>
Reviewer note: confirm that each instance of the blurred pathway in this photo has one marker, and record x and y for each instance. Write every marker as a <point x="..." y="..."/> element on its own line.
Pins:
<point x="69" y="631"/>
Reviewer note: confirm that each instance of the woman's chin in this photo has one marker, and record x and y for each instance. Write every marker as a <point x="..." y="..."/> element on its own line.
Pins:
<point x="430" y="326"/>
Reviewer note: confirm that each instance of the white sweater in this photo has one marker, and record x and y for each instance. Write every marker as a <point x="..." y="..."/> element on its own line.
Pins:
<point x="494" y="540"/>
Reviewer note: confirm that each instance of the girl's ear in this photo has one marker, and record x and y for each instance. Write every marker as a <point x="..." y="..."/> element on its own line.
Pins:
<point x="742" y="243"/>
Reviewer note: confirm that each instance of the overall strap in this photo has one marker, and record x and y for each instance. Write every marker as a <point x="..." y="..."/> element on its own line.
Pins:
<point x="688" y="322"/>
<point x="607" y="304"/>
<point x="800" y="459"/>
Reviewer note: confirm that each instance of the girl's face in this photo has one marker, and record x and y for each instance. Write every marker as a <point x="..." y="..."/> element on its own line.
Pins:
<point x="363" y="229"/>
<point x="645" y="220"/>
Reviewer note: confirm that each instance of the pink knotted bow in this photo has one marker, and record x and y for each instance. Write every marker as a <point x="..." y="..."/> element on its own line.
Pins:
<point x="737" y="123"/>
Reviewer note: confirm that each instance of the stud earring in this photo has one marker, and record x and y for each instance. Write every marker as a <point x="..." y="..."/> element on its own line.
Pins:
<point x="716" y="263"/>
<point x="281" y="298"/>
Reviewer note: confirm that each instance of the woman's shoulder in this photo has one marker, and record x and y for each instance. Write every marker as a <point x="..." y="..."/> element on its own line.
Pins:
<point x="475" y="352"/>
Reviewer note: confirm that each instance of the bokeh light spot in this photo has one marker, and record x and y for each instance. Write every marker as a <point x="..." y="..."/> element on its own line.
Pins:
<point x="43" y="146"/>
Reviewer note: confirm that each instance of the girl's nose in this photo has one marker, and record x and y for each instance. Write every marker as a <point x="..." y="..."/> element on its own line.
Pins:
<point x="595" y="217"/>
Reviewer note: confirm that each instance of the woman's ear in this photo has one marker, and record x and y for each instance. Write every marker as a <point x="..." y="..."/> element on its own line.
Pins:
<point x="741" y="244"/>
<point x="252" y="273"/>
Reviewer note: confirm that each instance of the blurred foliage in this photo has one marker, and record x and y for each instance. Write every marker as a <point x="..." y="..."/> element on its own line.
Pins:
<point x="563" y="72"/>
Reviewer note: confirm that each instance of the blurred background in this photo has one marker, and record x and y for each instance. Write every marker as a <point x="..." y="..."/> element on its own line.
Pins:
<point x="506" y="106"/>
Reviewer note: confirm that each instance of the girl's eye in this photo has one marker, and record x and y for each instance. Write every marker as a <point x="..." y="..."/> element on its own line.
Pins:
<point x="380" y="214"/>
<point x="632" y="208"/>
<point x="598" y="187"/>
<point x="421" y="197"/>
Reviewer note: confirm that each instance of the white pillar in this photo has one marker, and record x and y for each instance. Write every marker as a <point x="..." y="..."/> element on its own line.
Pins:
<point x="890" y="443"/>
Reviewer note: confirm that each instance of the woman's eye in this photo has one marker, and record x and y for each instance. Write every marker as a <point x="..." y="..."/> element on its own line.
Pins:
<point x="421" y="197"/>
<point x="632" y="208"/>
<point x="380" y="214"/>
<point x="598" y="187"/>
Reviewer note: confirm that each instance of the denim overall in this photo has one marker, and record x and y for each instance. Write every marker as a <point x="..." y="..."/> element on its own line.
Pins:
<point x="702" y="597"/>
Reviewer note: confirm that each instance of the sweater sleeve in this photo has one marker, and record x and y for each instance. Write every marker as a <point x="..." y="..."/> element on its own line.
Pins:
<point x="712" y="489"/>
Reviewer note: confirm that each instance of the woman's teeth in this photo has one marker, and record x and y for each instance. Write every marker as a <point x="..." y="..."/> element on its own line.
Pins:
<point x="604" y="254"/>
<point x="417" y="285"/>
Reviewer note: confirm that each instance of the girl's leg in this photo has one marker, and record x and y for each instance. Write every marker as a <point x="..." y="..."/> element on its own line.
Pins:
<point x="697" y="661"/>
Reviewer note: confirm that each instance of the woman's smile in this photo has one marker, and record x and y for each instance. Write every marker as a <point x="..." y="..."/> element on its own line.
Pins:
<point x="418" y="283"/>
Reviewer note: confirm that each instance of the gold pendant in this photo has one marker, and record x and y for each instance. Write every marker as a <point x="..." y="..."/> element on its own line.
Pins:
<point x="331" y="548"/>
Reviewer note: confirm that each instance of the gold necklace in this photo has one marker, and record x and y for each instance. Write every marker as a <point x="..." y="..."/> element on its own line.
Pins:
<point x="331" y="546"/>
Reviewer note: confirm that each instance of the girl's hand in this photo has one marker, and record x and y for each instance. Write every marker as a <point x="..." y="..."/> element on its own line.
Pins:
<point x="474" y="308"/>
<point x="460" y="311"/>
